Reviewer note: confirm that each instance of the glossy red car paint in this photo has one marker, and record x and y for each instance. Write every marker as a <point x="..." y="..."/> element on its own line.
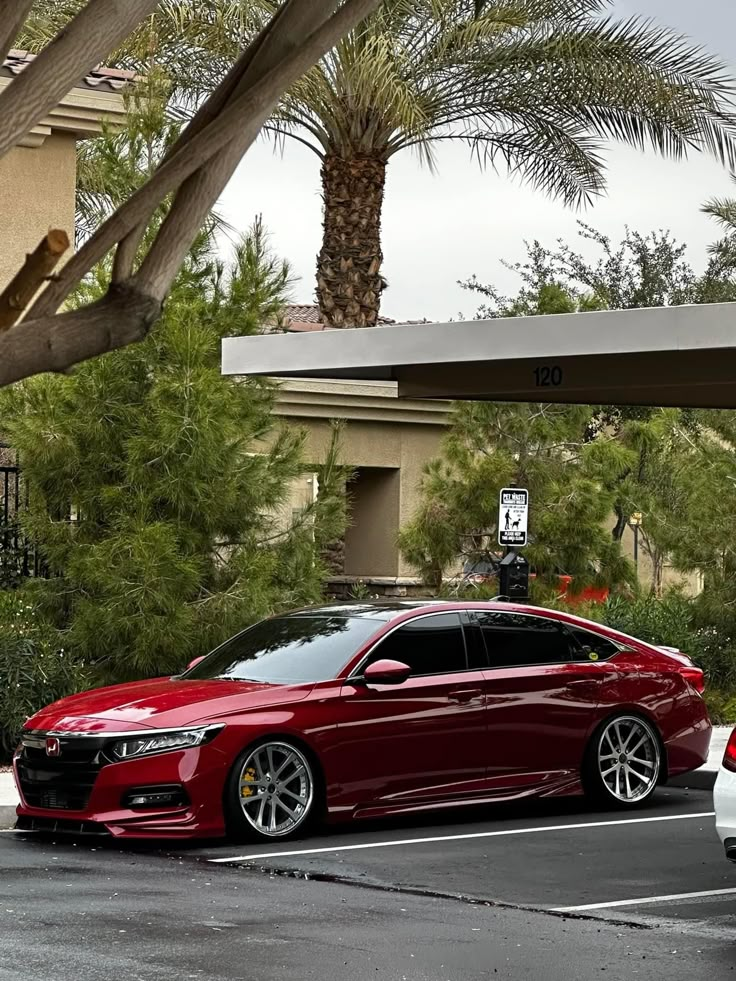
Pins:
<point x="475" y="735"/>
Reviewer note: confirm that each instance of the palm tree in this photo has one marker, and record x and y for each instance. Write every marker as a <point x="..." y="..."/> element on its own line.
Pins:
<point x="537" y="87"/>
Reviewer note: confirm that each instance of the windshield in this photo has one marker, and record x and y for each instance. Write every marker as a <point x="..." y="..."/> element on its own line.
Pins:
<point x="288" y="650"/>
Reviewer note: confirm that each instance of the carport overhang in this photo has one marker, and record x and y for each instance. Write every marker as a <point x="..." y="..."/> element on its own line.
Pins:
<point x="668" y="356"/>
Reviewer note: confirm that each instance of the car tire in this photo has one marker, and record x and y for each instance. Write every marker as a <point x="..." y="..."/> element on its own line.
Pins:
<point x="273" y="792"/>
<point x="623" y="762"/>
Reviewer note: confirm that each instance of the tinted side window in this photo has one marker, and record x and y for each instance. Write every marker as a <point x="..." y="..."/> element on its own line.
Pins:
<point x="588" y="646"/>
<point x="514" y="640"/>
<point x="429" y="645"/>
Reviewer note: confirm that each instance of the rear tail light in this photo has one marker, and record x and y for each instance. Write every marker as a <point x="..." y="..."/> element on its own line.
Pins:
<point x="695" y="676"/>
<point x="729" y="757"/>
<point x="686" y="667"/>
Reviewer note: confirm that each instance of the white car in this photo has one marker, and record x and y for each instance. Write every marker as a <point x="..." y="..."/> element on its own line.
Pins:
<point x="724" y="798"/>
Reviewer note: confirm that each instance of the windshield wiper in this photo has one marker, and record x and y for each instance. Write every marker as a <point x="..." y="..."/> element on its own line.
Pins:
<point x="232" y="677"/>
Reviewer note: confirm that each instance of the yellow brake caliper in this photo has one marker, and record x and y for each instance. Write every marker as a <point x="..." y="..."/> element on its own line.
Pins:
<point x="248" y="777"/>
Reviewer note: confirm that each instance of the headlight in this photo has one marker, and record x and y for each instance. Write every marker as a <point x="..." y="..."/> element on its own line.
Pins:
<point x="164" y="742"/>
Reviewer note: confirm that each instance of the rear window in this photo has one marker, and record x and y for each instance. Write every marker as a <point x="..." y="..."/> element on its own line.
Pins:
<point x="288" y="650"/>
<point x="520" y="640"/>
<point x="588" y="646"/>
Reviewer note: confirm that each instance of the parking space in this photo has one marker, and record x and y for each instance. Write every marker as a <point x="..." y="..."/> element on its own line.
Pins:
<point x="503" y="886"/>
<point x="77" y="912"/>
<point x="664" y="860"/>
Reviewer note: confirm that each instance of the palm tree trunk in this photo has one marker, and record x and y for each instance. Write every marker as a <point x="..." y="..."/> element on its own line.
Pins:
<point x="349" y="281"/>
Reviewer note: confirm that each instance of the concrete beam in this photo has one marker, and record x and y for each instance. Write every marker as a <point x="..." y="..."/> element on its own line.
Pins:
<point x="681" y="356"/>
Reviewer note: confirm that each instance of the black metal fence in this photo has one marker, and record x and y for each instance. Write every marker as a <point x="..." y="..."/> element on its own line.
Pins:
<point x="18" y="558"/>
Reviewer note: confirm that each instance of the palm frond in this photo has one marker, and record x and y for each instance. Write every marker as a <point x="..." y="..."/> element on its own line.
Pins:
<point x="490" y="72"/>
<point x="430" y="70"/>
<point x="723" y="210"/>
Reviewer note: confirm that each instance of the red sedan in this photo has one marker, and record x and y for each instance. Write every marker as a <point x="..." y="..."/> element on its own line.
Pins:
<point x="359" y="711"/>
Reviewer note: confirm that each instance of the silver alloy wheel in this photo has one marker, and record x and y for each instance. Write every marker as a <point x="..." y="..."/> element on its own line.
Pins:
<point x="275" y="789"/>
<point x="628" y="758"/>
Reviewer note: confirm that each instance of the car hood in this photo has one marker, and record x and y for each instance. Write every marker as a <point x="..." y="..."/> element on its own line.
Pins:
<point x="161" y="704"/>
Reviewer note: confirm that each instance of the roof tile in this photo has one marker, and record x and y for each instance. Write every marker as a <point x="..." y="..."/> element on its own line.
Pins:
<point x="300" y="318"/>
<point x="100" y="77"/>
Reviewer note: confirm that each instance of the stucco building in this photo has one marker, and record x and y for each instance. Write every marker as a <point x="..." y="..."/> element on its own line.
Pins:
<point x="38" y="177"/>
<point x="387" y="442"/>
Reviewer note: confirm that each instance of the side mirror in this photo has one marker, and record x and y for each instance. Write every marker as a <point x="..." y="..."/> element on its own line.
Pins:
<point x="386" y="673"/>
<point x="195" y="662"/>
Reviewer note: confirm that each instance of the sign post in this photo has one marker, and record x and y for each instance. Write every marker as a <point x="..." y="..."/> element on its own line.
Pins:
<point x="513" y="517"/>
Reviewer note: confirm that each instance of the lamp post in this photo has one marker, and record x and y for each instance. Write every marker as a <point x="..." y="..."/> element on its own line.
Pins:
<point x="635" y="522"/>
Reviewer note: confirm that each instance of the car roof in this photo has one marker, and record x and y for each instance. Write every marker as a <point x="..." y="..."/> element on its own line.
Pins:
<point x="391" y="609"/>
<point x="387" y="610"/>
<point x="378" y="610"/>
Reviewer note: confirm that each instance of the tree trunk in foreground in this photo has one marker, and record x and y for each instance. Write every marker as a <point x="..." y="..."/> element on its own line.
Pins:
<point x="349" y="281"/>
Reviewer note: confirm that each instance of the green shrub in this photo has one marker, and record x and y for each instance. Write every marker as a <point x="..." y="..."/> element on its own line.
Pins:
<point x="678" y="621"/>
<point x="669" y="621"/>
<point x="715" y="652"/>
<point x="34" y="667"/>
<point x="721" y="707"/>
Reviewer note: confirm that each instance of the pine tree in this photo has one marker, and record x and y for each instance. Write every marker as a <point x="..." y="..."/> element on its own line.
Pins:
<point x="158" y="485"/>
<point x="160" y="488"/>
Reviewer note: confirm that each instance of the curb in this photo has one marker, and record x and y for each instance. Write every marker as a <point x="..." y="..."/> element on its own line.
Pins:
<point x="7" y="817"/>
<point x="697" y="780"/>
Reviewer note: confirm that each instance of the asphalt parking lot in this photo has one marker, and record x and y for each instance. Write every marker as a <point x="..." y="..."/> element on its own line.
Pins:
<point x="550" y="891"/>
<point x="554" y="856"/>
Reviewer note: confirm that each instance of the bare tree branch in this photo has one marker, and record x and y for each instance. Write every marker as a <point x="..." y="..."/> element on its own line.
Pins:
<point x="122" y="317"/>
<point x="13" y="17"/>
<point x="196" y="197"/>
<point x="98" y="28"/>
<point x="127" y="249"/>
<point x="36" y="269"/>
<point x="237" y="120"/>
<point x="302" y="23"/>
<point x="198" y="167"/>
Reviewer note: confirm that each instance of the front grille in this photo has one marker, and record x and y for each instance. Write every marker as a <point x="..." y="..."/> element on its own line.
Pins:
<point x="62" y="783"/>
<point x="73" y="752"/>
<point x="59" y="788"/>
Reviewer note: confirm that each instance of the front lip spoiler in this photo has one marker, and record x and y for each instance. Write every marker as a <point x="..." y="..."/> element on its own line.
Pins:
<point x="61" y="826"/>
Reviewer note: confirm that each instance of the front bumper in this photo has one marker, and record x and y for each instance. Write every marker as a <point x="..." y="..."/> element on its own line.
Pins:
<point x="89" y="798"/>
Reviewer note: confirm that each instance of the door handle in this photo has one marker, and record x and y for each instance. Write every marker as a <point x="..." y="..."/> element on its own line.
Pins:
<point x="583" y="684"/>
<point x="464" y="694"/>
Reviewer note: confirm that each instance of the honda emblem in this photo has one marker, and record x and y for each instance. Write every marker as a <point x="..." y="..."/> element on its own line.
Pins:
<point x="53" y="746"/>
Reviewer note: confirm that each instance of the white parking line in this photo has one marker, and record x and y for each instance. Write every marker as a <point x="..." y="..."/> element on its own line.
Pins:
<point x="467" y="837"/>
<point x="644" y="902"/>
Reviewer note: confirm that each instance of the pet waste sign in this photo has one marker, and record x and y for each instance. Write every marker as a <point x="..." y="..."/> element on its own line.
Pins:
<point x="513" y="517"/>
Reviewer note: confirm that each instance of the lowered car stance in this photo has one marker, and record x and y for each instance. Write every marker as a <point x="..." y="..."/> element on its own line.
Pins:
<point x="347" y="712"/>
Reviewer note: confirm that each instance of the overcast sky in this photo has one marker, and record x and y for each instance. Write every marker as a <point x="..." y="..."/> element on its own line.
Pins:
<point x="441" y="228"/>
